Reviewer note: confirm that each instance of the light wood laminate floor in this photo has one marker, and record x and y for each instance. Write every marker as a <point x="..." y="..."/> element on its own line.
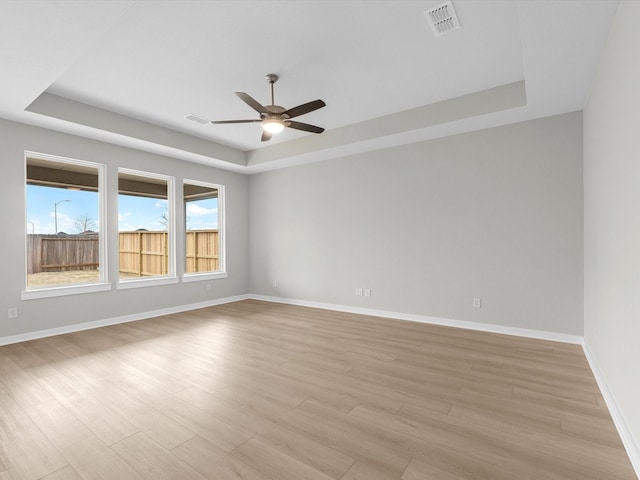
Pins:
<point x="258" y="391"/>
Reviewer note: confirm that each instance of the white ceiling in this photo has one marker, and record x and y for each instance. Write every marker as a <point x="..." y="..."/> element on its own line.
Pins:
<point x="153" y="62"/>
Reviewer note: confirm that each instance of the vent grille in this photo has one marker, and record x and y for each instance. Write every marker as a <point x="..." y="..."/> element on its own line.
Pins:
<point x="442" y="19"/>
<point x="196" y="118"/>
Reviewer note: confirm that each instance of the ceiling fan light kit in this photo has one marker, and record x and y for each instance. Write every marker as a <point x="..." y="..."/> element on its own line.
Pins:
<point x="275" y="118"/>
<point x="273" y="125"/>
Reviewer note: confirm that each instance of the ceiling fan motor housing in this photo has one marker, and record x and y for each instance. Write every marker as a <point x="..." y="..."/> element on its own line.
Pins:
<point x="274" y="110"/>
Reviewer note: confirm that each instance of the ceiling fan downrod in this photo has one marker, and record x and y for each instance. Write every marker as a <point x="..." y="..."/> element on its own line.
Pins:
<point x="272" y="78"/>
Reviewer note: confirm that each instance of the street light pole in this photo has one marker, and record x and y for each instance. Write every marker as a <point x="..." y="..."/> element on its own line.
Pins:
<point x="55" y="215"/>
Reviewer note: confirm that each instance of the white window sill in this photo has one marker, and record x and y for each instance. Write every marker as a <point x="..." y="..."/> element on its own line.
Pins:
<point x="60" y="291"/>
<point x="199" y="277"/>
<point x="145" y="282"/>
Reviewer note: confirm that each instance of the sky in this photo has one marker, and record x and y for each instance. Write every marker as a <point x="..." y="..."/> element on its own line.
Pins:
<point x="133" y="212"/>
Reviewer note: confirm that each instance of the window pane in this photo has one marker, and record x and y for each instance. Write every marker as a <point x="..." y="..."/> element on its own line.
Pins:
<point x="203" y="234"/>
<point x="63" y="223"/>
<point x="143" y="225"/>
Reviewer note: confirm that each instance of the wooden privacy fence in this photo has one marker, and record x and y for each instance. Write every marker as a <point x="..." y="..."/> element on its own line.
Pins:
<point x="203" y="251"/>
<point x="53" y="253"/>
<point x="143" y="253"/>
<point x="140" y="253"/>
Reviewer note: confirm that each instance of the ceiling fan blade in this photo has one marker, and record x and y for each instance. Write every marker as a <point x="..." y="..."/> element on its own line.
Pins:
<point x="249" y="100"/>
<point x="235" y="121"/>
<point x="304" y="126"/>
<point x="266" y="136"/>
<point x="304" y="108"/>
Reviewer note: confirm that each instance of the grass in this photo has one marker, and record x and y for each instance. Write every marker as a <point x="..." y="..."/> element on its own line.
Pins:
<point x="69" y="277"/>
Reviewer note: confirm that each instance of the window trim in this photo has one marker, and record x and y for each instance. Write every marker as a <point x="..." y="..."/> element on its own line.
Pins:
<point x="71" y="289"/>
<point x="106" y="283"/>
<point x="222" y="235"/>
<point x="202" y="276"/>
<point x="145" y="282"/>
<point x="63" y="290"/>
<point x="171" y="276"/>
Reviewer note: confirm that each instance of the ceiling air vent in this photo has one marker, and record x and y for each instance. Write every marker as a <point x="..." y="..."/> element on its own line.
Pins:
<point x="196" y="118"/>
<point x="442" y="19"/>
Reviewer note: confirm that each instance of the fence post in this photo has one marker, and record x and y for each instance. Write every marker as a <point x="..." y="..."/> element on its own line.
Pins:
<point x="165" y="253"/>
<point x="195" y="252"/>
<point x="140" y="254"/>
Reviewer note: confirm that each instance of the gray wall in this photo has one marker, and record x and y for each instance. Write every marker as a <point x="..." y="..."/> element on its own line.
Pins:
<point x="612" y="215"/>
<point x="495" y="214"/>
<point x="48" y="313"/>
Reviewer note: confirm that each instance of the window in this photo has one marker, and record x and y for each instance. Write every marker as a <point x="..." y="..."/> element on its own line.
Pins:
<point x="64" y="224"/>
<point x="145" y="226"/>
<point x="204" y="232"/>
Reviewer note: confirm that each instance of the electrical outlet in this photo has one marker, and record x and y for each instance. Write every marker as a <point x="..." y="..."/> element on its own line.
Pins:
<point x="358" y="292"/>
<point x="477" y="303"/>
<point x="12" y="313"/>
<point x="275" y="284"/>
<point x="208" y="287"/>
<point x="367" y="292"/>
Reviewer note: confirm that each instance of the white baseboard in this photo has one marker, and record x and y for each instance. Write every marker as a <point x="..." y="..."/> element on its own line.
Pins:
<point x="484" y="327"/>
<point x="50" y="332"/>
<point x="631" y="445"/>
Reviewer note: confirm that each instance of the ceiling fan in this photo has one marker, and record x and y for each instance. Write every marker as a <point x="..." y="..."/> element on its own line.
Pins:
<point x="275" y="118"/>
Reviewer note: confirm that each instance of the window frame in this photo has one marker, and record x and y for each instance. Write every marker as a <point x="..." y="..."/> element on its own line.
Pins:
<point x="222" y="234"/>
<point x="71" y="289"/>
<point x="171" y="276"/>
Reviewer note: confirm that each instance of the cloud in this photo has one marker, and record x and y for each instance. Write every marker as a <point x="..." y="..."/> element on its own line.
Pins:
<point x="194" y="210"/>
<point x="36" y="227"/>
<point x="130" y="227"/>
<point x="65" y="223"/>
